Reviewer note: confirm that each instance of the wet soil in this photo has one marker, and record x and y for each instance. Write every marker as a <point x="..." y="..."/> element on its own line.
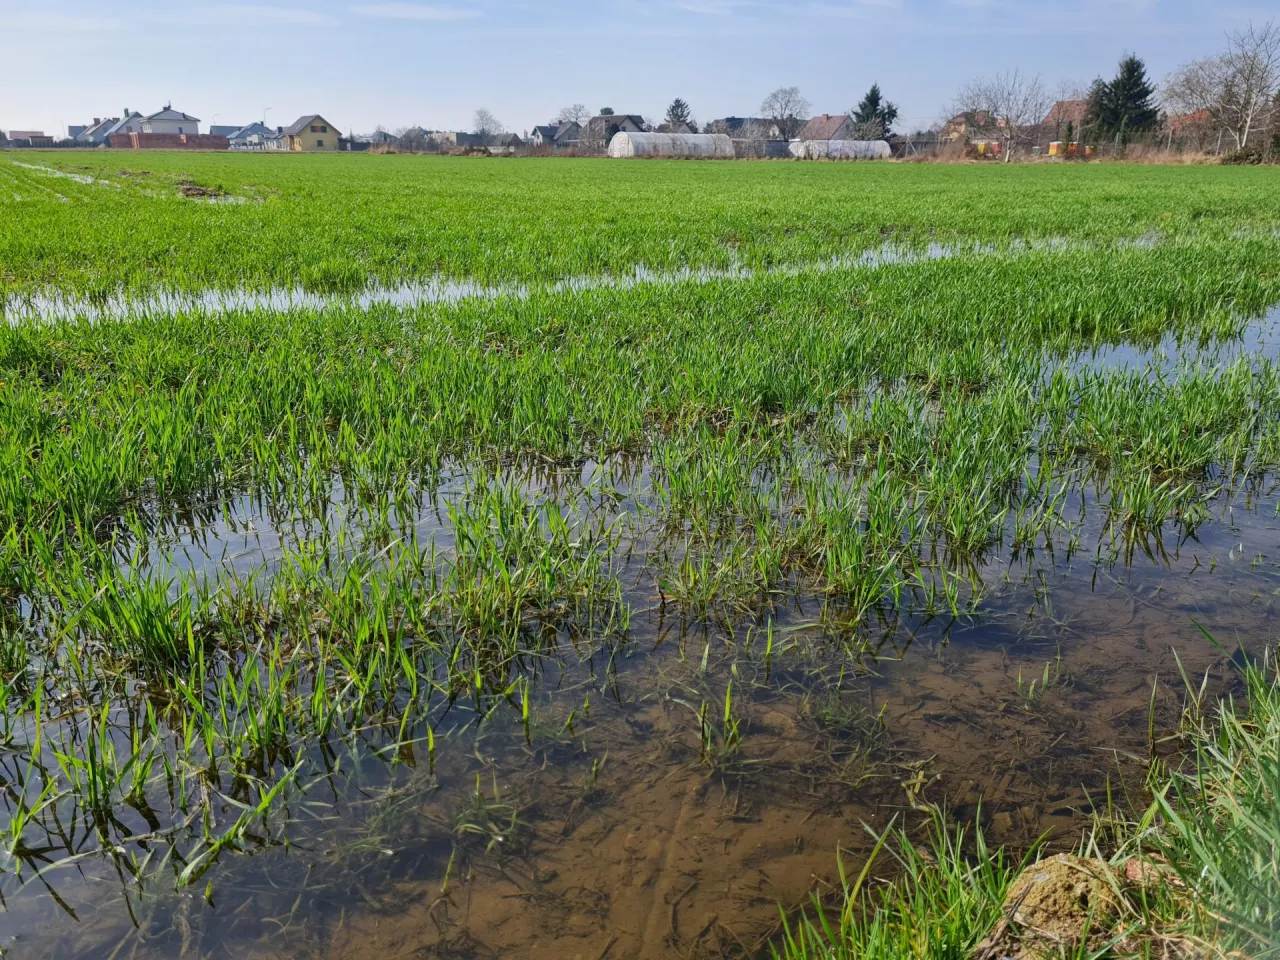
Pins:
<point x="605" y="830"/>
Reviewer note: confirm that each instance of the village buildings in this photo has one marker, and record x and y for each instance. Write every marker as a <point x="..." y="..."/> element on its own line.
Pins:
<point x="828" y="127"/>
<point x="308" y="134"/>
<point x="170" y="121"/>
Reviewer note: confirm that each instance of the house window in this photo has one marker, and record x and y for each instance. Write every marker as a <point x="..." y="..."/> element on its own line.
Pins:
<point x="324" y="129"/>
<point x="179" y="129"/>
<point x="319" y="142"/>
<point x="313" y="128"/>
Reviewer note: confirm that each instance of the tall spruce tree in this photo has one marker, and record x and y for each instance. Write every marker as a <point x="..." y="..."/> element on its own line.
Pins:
<point x="1126" y="104"/>
<point x="1097" y="107"/>
<point x="678" y="112"/>
<point x="874" y="109"/>
<point x="1133" y="97"/>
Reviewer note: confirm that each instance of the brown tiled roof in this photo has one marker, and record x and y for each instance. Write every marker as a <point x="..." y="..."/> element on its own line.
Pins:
<point x="1067" y="111"/>
<point x="824" y="127"/>
<point x="1201" y="118"/>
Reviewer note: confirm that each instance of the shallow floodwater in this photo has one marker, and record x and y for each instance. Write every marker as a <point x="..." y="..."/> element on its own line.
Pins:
<point x="600" y="829"/>
<point x="604" y="827"/>
<point x="53" y="307"/>
<point x="1258" y="340"/>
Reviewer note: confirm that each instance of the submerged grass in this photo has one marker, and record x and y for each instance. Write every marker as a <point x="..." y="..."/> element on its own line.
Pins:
<point x="470" y="500"/>
<point x="1197" y="875"/>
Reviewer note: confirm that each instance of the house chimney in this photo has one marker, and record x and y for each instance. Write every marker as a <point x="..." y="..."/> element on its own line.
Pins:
<point x="96" y="121"/>
<point x="279" y="129"/>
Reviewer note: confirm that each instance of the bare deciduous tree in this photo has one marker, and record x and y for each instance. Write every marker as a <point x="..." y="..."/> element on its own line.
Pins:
<point x="412" y="138"/>
<point x="788" y="109"/>
<point x="487" y="126"/>
<point x="867" y="130"/>
<point x="576" y="113"/>
<point x="1236" y="88"/>
<point x="1007" y="107"/>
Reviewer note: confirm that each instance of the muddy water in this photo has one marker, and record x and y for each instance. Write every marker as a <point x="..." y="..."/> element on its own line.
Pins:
<point x="604" y="830"/>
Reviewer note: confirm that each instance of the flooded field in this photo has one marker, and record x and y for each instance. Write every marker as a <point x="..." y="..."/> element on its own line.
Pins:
<point x="629" y="802"/>
<point x="663" y="786"/>
<point x="528" y="616"/>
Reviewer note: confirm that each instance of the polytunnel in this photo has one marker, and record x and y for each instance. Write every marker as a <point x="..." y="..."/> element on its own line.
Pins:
<point x="841" y="149"/>
<point x="710" y="146"/>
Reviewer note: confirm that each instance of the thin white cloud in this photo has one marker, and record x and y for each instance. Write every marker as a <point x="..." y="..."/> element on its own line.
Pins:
<point x="56" y="23"/>
<point x="250" y="15"/>
<point x="713" y="8"/>
<point x="414" y="11"/>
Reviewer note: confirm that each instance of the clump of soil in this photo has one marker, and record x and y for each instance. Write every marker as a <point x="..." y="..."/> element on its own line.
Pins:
<point x="190" y="188"/>
<point x="1057" y="902"/>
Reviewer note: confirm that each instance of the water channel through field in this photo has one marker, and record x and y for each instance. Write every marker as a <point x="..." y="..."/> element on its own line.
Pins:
<point x="673" y="783"/>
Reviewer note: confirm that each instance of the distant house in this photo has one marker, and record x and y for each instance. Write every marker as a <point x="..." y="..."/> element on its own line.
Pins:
<point x="1198" y="130"/>
<point x="445" y="139"/>
<point x="4" y="140"/>
<point x="311" y="134"/>
<point x="1189" y="122"/>
<point x="1064" y="112"/>
<point x="224" y="130"/>
<point x="600" y="130"/>
<point x="543" y="135"/>
<point x="568" y="134"/>
<point x="673" y="128"/>
<point x="30" y="138"/>
<point x="381" y="138"/>
<point x="131" y="122"/>
<point x="970" y="124"/>
<point x="416" y="139"/>
<point x="170" y="120"/>
<point x="827" y="127"/>
<point x="75" y="129"/>
<point x="251" y="137"/>
<point x="95" y="133"/>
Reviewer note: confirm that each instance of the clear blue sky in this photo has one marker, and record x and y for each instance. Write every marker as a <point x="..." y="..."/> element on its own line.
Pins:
<point x="362" y="63"/>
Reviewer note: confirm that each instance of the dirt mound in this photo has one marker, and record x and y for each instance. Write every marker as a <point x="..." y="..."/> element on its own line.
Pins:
<point x="1054" y="903"/>
<point x="192" y="189"/>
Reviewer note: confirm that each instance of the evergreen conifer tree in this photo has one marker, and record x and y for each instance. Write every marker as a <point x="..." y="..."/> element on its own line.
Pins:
<point x="874" y="109"/>
<point x="678" y="112"/>
<point x="1132" y="98"/>
<point x="1126" y="104"/>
